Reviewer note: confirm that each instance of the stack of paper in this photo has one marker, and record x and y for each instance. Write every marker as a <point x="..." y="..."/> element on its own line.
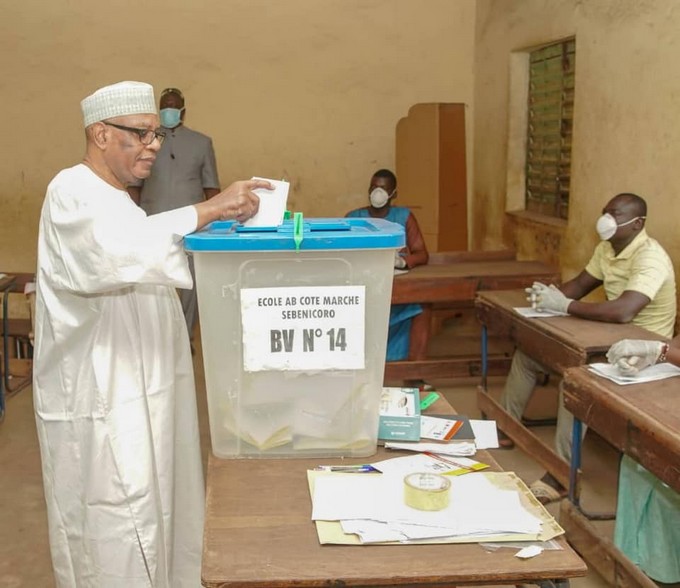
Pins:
<point x="443" y="436"/>
<point x="372" y="507"/>
<point x="659" y="371"/>
<point x="454" y="448"/>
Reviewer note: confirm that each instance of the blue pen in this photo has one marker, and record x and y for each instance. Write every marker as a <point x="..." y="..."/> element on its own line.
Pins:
<point x="351" y="469"/>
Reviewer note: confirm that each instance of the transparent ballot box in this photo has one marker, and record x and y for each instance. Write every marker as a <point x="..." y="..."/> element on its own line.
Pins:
<point x="294" y="324"/>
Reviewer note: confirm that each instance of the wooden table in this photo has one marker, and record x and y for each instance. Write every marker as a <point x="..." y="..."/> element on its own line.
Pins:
<point x="6" y="285"/>
<point x="259" y="534"/>
<point x="17" y="370"/>
<point x="640" y="420"/>
<point x="452" y="280"/>
<point x="558" y="343"/>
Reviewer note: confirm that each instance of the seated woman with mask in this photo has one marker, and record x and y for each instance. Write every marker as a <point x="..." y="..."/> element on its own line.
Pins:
<point x="381" y="191"/>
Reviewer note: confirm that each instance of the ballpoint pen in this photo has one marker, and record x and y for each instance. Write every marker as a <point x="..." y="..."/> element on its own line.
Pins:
<point x="350" y="469"/>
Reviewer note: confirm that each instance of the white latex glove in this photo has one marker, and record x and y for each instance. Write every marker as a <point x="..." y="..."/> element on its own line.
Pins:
<point x="551" y="298"/>
<point x="399" y="261"/>
<point x="632" y="355"/>
<point x="532" y="293"/>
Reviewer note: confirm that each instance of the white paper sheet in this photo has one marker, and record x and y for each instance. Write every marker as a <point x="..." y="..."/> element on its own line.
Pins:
<point x="272" y="205"/>
<point x="529" y="312"/>
<point x="660" y="371"/>
<point x="476" y="507"/>
<point x="486" y="434"/>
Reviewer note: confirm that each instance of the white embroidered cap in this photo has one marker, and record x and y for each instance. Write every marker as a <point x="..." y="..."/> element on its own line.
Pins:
<point x="119" y="99"/>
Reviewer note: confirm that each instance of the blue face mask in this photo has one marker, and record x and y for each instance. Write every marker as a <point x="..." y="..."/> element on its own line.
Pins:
<point x="170" y="117"/>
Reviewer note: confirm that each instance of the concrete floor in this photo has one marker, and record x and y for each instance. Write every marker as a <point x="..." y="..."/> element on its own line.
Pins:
<point x="24" y="548"/>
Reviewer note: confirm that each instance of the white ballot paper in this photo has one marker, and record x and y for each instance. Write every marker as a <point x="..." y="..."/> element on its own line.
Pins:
<point x="272" y="205"/>
<point x="660" y="371"/>
<point x="486" y="434"/>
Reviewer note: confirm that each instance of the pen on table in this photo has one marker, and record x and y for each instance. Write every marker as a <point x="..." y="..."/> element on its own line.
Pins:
<point x="350" y="469"/>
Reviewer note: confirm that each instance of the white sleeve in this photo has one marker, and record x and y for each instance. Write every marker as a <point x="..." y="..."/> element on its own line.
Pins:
<point x="98" y="244"/>
<point x="179" y="222"/>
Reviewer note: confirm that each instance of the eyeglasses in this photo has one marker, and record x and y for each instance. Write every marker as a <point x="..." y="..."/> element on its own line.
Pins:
<point x="146" y="136"/>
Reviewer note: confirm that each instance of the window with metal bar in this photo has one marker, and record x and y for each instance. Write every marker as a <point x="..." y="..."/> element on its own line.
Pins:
<point x="549" y="132"/>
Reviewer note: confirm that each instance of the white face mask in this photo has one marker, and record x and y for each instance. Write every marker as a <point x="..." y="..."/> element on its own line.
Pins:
<point x="379" y="197"/>
<point x="606" y="226"/>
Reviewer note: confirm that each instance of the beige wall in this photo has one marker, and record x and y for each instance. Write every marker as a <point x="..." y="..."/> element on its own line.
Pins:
<point x="627" y="118"/>
<point x="309" y="90"/>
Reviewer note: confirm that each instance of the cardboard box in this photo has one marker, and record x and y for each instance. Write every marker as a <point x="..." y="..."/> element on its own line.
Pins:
<point x="399" y="414"/>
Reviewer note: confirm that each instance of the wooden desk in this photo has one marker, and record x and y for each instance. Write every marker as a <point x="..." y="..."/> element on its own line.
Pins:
<point x="18" y="368"/>
<point x="6" y="285"/>
<point x="640" y="420"/>
<point x="454" y="284"/>
<point x="558" y="343"/>
<point x="259" y="534"/>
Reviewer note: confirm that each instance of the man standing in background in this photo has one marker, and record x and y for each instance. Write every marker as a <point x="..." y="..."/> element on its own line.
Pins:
<point x="184" y="173"/>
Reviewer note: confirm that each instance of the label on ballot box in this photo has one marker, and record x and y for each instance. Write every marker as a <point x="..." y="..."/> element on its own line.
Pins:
<point x="294" y="332"/>
<point x="305" y="328"/>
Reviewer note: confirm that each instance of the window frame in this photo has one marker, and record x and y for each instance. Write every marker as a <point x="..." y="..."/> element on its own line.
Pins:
<point x="549" y="128"/>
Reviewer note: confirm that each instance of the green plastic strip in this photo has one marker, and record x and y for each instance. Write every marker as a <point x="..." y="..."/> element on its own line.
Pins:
<point x="287" y="215"/>
<point x="298" y="230"/>
<point x="428" y="400"/>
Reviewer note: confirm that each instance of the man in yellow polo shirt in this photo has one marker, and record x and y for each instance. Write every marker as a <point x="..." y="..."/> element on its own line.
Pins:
<point x="639" y="282"/>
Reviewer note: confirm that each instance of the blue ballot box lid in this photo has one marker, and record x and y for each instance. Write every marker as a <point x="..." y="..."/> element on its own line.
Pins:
<point x="317" y="234"/>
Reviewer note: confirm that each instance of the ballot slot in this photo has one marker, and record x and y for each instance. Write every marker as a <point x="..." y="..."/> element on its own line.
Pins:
<point x="294" y="341"/>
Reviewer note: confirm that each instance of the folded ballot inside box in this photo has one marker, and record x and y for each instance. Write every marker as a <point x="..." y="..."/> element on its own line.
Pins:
<point x="399" y="414"/>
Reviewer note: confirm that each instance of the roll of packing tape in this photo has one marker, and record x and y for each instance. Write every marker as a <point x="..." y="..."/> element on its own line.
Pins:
<point x="426" y="491"/>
